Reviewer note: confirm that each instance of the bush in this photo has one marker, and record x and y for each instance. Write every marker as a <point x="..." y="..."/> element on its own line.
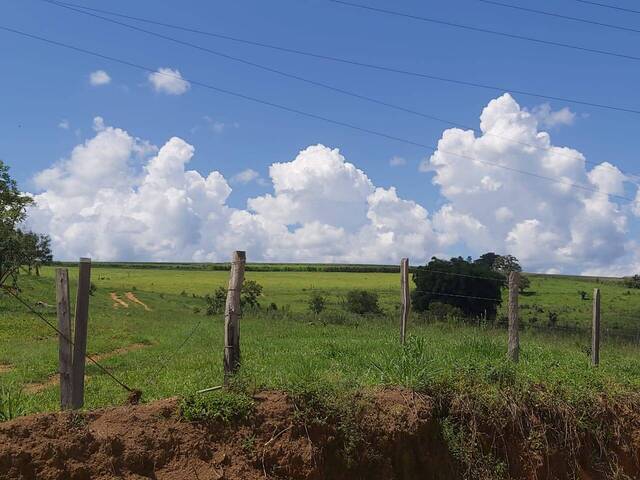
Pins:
<point x="216" y="302"/>
<point x="251" y="291"/>
<point x="362" y="302"/>
<point x="225" y="406"/>
<point x="92" y="289"/>
<point x="317" y="303"/>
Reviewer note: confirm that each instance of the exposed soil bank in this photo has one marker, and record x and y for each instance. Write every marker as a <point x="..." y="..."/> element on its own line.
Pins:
<point x="396" y="435"/>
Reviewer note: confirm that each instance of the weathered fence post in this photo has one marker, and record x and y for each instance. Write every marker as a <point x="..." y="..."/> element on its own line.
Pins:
<point x="232" y="316"/>
<point x="80" y="332"/>
<point x="514" y="334"/>
<point x="595" y="329"/>
<point x="406" y="298"/>
<point x="64" y="336"/>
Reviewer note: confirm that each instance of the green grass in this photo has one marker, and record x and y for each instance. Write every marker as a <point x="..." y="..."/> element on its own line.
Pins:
<point x="292" y="349"/>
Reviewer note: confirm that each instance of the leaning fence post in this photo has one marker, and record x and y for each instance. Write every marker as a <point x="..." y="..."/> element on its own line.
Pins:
<point x="514" y="339"/>
<point x="406" y="298"/>
<point x="595" y="329"/>
<point x="80" y="332"/>
<point x="64" y="336"/>
<point x="232" y="316"/>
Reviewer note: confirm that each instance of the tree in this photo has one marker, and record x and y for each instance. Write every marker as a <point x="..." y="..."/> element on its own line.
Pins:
<point x="488" y="260"/>
<point x="362" y="302"/>
<point x="44" y="255"/>
<point x="506" y="264"/>
<point x="470" y="286"/>
<point x="524" y="283"/>
<point x="13" y="211"/>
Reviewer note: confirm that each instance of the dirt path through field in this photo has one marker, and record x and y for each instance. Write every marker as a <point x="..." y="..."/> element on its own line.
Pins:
<point x="117" y="301"/>
<point x="5" y="368"/>
<point x="131" y="296"/>
<point x="54" y="380"/>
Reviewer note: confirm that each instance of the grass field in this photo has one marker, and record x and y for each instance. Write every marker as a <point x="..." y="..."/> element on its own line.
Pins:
<point x="284" y="348"/>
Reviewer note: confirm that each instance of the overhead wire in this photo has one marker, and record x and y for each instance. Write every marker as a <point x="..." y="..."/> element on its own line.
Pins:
<point x="487" y="30"/>
<point x="316" y="83"/>
<point x="356" y="62"/>
<point x="313" y="115"/>
<point x="559" y="15"/>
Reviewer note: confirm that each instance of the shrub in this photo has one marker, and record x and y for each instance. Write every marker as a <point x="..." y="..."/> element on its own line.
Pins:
<point x="444" y="311"/>
<point x="362" y="302"/>
<point x="225" y="406"/>
<point x="524" y="284"/>
<point x="317" y="303"/>
<point x="251" y="291"/>
<point x="92" y="289"/>
<point x="583" y="295"/>
<point x="553" y="319"/>
<point x="216" y="302"/>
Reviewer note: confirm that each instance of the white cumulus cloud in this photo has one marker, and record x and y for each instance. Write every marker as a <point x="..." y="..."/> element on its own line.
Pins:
<point x="117" y="197"/>
<point x="169" y="81"/>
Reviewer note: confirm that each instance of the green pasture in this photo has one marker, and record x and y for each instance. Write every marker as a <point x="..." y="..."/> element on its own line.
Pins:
<point x="182" y="349"/>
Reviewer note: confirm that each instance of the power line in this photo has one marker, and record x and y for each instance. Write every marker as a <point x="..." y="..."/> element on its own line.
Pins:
<point x="330" y="87"/>
<point x="87" y="356"/>
<point x="605" y="5"/>
<point x="488" y="31"/>
<point x="558" y="15"/>
<point x="313" y="115"/>
<point x="359" y="63"/>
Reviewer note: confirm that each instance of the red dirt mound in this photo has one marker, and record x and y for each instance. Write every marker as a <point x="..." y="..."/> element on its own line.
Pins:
<point x="399" y="437"/>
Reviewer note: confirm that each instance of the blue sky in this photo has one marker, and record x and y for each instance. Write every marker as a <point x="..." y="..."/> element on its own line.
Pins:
<point x="44" y="85"/>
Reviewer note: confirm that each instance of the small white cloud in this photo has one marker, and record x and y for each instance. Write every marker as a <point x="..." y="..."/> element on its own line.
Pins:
<point x="98" y="124"/>
<point x="245" y="176"/>
<point x="99" y="77"/>
<point x="64" y="124"/>
<point x="553" y="118"/>
<point x="169" y="81"/>
<point x="397" y="161"/>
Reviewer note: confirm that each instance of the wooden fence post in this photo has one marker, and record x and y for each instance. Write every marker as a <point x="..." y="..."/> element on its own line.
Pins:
<point x="406" y="298"/>
<point x="514" y="334"/>
<point x="80" y="332"/>
<point x="64" y="336"/>
<point x="595" y="329"/>
<point x="232" y="316"/>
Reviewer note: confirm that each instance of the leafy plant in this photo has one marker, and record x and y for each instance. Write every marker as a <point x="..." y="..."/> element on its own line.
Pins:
<point x="317" y="303"/>
<point x="12" y="403"/>
<point x="216" y="302"/>
<point x="251" y="291"/>
<point x="224" y="406"/>
<point x="362" y="302"/>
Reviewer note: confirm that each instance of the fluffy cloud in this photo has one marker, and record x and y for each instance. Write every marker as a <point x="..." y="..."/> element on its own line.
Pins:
<point x="169" y="81"/>
<point x="552" y="118"/>
<point x="547" y="224"/>
<point x="119" y="197"/>
<point x="99" y="77"/>
<point x="245" y="176"/>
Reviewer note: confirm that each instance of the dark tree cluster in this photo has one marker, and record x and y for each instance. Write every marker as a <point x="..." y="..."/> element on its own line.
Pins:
<point x="19" y="249"/>
<point x="472" y="287"/>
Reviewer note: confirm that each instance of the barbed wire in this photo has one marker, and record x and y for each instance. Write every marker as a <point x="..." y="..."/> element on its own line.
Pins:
<point x="66" y="338"/>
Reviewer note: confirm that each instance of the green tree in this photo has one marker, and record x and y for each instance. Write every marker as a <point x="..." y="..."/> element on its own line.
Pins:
<point x="506" y="264"/>
<point x="470" y="286"/>
<point x="13" y="211"/>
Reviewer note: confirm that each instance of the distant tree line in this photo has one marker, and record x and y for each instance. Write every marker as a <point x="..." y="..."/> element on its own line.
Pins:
<point x="19" y="249"/>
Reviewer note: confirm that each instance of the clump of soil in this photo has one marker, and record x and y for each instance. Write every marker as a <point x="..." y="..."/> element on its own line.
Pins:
<point x="395" y="434"/>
